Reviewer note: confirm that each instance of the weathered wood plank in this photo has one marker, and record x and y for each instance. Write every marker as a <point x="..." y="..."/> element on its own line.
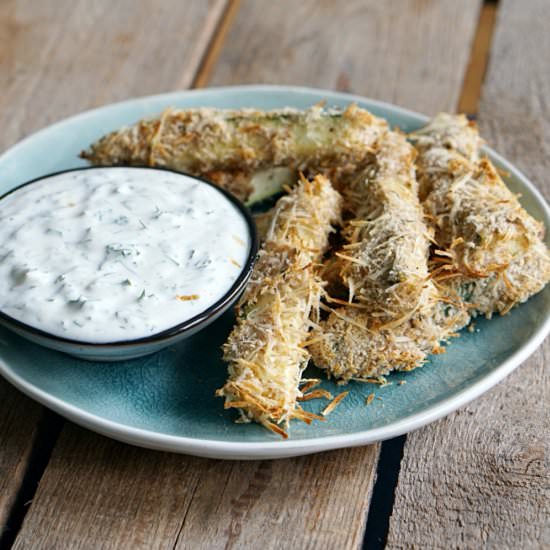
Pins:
<point x="307" y="502"/>
<point x="400" y="51"/>
<point x="118" y="496"/>
<point x="101" y="493"/>
<point x="60" y="57"/>
<point x="97" y="492"/>
<point x="481" y="478"/>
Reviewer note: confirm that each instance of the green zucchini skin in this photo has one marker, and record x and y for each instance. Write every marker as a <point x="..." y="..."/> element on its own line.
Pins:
<point x="236" y="149"/>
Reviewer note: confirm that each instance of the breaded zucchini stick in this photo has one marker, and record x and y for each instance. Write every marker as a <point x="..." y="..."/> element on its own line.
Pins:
<point x="490" y="250"/>
<point x="489" y="257"/>
<point x="232" y="147"/>
<point x="353" y="345"/>
<point x="447" y="141"/>
<point x="384" y="264"/>
<point x="265" y="350"/>
<point x="399" y="316"/>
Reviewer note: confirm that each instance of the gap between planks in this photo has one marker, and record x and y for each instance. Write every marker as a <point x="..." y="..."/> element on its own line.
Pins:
<point x="470" y="95"/>
<point x="45" y="438"/>
<point x="383" y="493"/>
<point x="214" y="48"/>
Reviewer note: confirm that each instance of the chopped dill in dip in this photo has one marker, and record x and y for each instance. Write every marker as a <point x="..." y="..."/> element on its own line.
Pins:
<point x="110" y="254"/>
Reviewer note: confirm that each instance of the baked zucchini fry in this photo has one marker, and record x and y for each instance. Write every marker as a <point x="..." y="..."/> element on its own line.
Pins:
<point x="446" y="142"/>
<point x="398" y="315"/>
<point x="353" y="345"/>
<point x="384" y="265"/>
<point x="265" y="350"/>
<point x="230" y="147"/>
<point x="490" y="250"/>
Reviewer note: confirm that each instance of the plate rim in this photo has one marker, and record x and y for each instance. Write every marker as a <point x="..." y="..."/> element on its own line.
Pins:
<point x="214" y="448"/>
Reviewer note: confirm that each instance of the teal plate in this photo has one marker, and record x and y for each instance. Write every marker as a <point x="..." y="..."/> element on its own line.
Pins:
<point x="166" y="401"/>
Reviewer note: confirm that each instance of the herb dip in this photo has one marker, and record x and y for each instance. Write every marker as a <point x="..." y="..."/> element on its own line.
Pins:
<point x="110" y="254"/>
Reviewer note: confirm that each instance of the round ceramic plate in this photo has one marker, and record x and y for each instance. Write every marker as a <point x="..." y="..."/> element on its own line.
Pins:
<point x="166" y="401"/>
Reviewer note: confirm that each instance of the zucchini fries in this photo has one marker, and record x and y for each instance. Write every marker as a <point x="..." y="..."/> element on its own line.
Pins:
<point x="265" y="350"/>
<point x="383" y="264"/>
<point x="490" y="251"/>
<point x="239" y="149"/>
<point x="352" y="344"/>
<point x="398" y="316"/>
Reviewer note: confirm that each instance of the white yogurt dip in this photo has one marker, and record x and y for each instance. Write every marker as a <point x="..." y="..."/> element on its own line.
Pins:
<point x="111" y="254"/>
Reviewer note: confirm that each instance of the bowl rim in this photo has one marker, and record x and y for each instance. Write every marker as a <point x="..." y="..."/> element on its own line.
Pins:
<point x="212" y="311"/>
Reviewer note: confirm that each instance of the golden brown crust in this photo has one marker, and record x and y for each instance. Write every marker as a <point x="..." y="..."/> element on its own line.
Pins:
<point x="352" y="344"/>
<point x="392" y="320"/>
<point x="237" y="182"/>
<point x="128" y="146"/>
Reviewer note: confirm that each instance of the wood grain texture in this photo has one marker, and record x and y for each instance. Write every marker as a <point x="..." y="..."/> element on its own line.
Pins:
<point x="99" y="493"/>
<point x="59" y="57"/>
<point x="400" y="51"/>
<point x="481" y="477"/>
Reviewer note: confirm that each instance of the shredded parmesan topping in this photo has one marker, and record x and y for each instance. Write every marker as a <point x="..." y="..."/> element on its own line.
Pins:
<point x="384" y="263"/>
<point x="265" y="349"/>
<point x="392" y="323"/>
<point x="334" y="403"/>
<point x="489" y="251"/>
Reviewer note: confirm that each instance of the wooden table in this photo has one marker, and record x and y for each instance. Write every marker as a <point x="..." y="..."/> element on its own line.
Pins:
<point x="480" y="477"/>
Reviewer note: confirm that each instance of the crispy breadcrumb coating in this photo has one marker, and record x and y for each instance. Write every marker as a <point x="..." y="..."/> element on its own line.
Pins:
<point x="396" y="315"/>
<point x="231" y="146"/>
<point x="383" y="265"/>
<point x="265" y="350"/>
<point x="352" y="345"/>
<point x="489" y="249"/>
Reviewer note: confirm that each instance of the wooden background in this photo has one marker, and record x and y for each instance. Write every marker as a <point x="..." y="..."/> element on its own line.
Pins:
<point x="480" y="477"/>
